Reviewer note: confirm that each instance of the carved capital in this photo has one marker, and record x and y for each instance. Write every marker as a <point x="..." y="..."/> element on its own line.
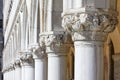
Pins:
<point x="26" y="59"/>
<point x="10" y="67"/>
<point x="38" y="51"/>
<point x="17" y="64"/>
<point x="89" y="24"/>
<point x="56" y="42"/>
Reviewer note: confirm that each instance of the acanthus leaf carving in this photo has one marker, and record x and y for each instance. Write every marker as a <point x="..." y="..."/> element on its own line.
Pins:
<point x="54" y="42"/>
<point x="93" y="22"/>
<point x="39" y="50"/>
<point x="26" y="59"/>
<point x="17" y="63"/>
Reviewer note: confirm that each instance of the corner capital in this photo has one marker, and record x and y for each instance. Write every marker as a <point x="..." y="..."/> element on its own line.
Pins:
<point x="89" y="24"/>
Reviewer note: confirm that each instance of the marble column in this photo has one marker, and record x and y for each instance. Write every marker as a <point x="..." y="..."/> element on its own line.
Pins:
<point x="27" y="66"/>
<point x="57" y="67"/>
<point x="11" y="71"/>
<point x="89" y="28"/>
<point x="88" y="60"/>
<point x="8" y="76"/>
<point x="56" y="49"/>
<point x="17" y="70"/>
<point x="40" y="69"/>
<point x="40" y="61"/>
<point x="4" y="75"/>
<point x="11" y="75"/>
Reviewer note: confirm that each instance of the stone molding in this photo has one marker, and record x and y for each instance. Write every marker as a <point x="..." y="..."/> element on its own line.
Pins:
<point x="89" y="44"/>
<point x="55" y="42"/>
<point x="89" y="23"/>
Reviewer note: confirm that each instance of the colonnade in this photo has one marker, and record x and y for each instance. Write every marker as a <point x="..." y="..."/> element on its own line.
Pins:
<point x="37" y="47"/>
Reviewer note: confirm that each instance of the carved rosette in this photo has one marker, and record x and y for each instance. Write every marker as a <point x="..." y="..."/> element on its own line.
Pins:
<point x="27" y="59"/>
<point x="55" y="42"/>
<point x="89" y="24"/>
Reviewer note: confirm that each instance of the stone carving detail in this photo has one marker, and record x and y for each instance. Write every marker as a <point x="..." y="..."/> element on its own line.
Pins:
<point x="11" y="67"/>
<point x="54" y="42"/>
<point x="89" y="24"/>
<point x="39" y="51"/>
<point x="8" y="68"/>
<point x="17" y="64"/>
<point x="26" y="59"/>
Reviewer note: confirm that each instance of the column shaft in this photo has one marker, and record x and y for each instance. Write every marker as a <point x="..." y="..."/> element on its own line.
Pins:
<point x="56" y="49"/>
<point x="57" y="67"/>
<point x="28" y="73"/>
<point x="23" y="73"/>
<point x="89" y="28"/>
<point x="27" y="67"/>
<point x="18" y="73"/>
<point x="40" y="69"/>
<point x="5" y="76"/>
<point x="88" y="60"/>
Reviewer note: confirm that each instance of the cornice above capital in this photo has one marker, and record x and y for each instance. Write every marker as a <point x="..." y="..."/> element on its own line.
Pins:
<point x="90" y="22"/>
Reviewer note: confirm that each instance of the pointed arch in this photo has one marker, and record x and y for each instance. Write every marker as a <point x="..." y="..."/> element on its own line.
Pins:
<point x="116" y="40"/>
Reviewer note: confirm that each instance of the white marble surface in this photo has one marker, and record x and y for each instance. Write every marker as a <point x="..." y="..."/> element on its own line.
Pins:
<point x="57" y="67"/>
<point x="88" y="60"/>
<point x="40" y="69"/>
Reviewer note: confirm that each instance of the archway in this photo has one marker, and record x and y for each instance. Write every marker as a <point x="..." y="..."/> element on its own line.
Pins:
<point x="112" y="56"/>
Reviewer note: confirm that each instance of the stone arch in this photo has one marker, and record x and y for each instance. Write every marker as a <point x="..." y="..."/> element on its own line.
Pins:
<point x="115" y="37"/>
<point x="112" y="52"/>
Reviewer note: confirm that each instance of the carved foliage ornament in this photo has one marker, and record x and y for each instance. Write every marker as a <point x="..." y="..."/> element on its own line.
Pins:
<point x="39" y="51"/>
<point x="89" y="24"/>
<point x="17" y="63"/>
<point x="26" y="59"/>
<point x="54" y="42"/>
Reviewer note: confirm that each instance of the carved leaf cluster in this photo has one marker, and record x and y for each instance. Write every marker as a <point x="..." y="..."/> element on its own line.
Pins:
<point x="89" y="22"/>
